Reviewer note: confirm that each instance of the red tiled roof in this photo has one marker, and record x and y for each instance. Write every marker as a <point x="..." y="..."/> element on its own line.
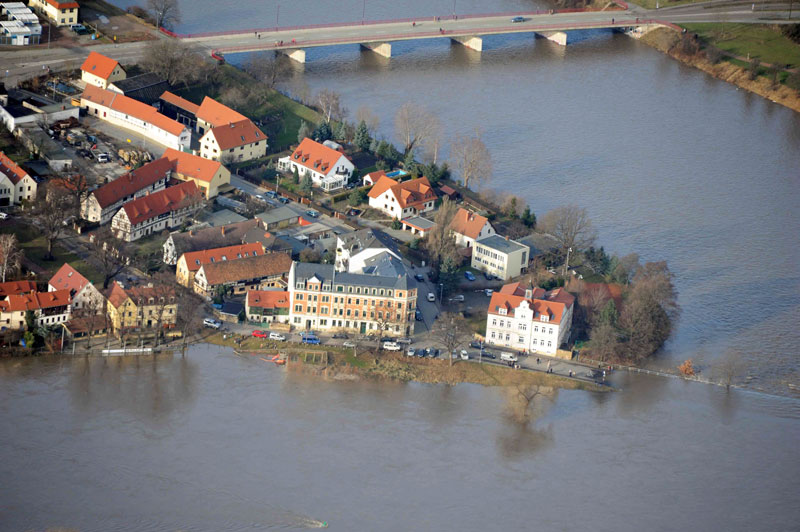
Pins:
<point x="268" y="299"/>
<point x="468" y="223"/>
<point x="125" y="185"/>
<point x="408" y="193"/>
<point x="68" y="278"/>
<point x="375" y="176"/>
<point x="315" y="156"/>
<point x="139" y="294"/>
<point x="562" y="296"/>
<point x="553" y="309"/>
<point x="448" y="190"/>
<point x="267" y="265"/>
<point x="193" y="166"/>
<point x="217" y="114"/>
<point x="117" y="295"/>
<point x="134" y="108"/>
<point x="36" y="300"/>
<point x="383" y="184"/>
<point x="179" y="102"/>
<point x="161" y="202"/>
<point x="196" y="259"/>
<point x="16" y="287"/>
<point x="62" y="5"/>
<point x="98" y="64"/>
<point x="237" y="134"/>
<point x="517" y="289"/>
<point x="11" y="169"/>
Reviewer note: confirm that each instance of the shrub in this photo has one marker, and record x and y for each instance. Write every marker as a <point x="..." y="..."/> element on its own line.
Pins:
<point x="753" y="69"/>
<point x="714" y="55"/>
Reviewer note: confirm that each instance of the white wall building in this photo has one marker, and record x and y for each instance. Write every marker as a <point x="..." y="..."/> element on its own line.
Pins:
<point x="401" y="200"/>
<point x="15" y="183"/>
<point x="156" y="212"/>
<point x="500" y="257"/>
<point x="467" y="227"/>
<point x="328" y="169"/>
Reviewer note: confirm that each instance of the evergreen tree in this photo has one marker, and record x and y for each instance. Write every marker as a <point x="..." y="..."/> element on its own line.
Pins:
<point x="306" y="186"/>
<point x="323" y="132"/>
<point x="362" y="139"/>
<point x="295" y="176"/>
<point x="408" y="162"/>
<point x="341" y="131"/>
<point x="373" y="145"/>
<point x="529" y="218"/>
<point x="303" y="131"/>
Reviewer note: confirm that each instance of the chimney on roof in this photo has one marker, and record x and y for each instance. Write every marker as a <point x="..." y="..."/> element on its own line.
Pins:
<point x="222" y="230"/>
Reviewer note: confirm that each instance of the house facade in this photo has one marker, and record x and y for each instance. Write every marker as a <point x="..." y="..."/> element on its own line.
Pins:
<point x="103" y="203"/>
<point x="267" y="306"/>
<point x="84" y="295"/>
<point x="529" y="319"/>
<point x="207" y="175"/>
<point x="211" y="237"/>
<point x="138" y="308"/>
<point x="210" y="114"/>
<point x="500" y="257"/>
<point x="100" y="71"/>
<point x="243" y="275"/>
<point x="401" y="200"/>
<point x="15" y="183"/>
<point x="323" y="299"/>
<point x="234" y="142"/>
<point x="135" y="116"/>
<point x="49" y="308"/>
<point x="156" y="212"/>
<point x="328" y="169"/>
<point x="467" y="227"/>
<point x="190" y="263"/>
<point x="60" y="13"/>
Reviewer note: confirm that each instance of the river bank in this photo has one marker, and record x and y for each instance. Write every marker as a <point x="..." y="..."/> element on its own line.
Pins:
<point x="667" y="41"/>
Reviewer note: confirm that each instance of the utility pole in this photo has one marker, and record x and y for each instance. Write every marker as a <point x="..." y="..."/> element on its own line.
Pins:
<point x="363" y="12"/>
<point x="566" y="264"/>
<point x="441" y="288"/>
<point x="277" y="17"/>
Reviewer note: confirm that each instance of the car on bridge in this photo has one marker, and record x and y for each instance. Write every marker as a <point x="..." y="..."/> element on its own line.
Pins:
<point x="517" y="19"/>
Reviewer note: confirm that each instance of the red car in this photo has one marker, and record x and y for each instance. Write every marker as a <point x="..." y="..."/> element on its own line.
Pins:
<point x="259" y="334"/>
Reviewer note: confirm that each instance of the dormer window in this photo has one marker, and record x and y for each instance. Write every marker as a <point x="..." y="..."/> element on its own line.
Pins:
<point x="197" y="261"/>
<point x="503" y="311"/>
<point x="224" y="257"/>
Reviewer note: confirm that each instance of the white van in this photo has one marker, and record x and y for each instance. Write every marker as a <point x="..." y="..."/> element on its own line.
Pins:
<point x="508" y="357"/>
<point x="214" y="324"/>
<point x="277" y="336"/>
<point x="431" y="297"/>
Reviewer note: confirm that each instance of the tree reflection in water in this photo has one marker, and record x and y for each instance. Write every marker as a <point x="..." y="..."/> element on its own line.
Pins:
<point x="523" y="406"/>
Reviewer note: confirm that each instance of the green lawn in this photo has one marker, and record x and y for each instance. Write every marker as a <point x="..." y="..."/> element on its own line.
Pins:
<point x="10" y="147"/>
<point x="651" y="4"/>
<point x="760" y="41"/>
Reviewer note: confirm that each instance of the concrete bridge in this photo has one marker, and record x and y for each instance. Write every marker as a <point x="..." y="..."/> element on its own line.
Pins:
<point x="467" y="30"/>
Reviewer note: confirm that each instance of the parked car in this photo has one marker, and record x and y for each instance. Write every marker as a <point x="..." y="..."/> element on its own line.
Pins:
<point x="488" y="276"/>
<point x="259" y="197"/>
<point x="516" y="20"/>
<point x="272" y="194"/>
<point x="475" y="344"/>
<point x="341" y="335"/>
<point x="488" y="292"/>
<point x="418" y="315"/>
<point x="422" y="353"/>
<point x="419" y="277"/>
<point x="259" y="334"/>
<point x="212" y="323"/>
<point x="405" y="340"/>
<point x="458" y="298"/>
<point x="487" y="354"/>
<point x="312" y="214"/>
<point x="349" y="343"/>
<point x="102" y="157"/>
<point x="464" y="354"/>
<point x="277" y="336"/>
<point x="509" y="357"/>
<point x="309" y="339"/>
<point x="283" y="200"/>
<point x="391" y="346"/>
<point x="411" y="352"/>
<point x="435" y="353"/>
<point x="431" y="297"/>
<point x="469" y="276"/>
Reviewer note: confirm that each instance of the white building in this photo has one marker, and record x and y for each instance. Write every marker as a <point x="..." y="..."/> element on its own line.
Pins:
<point x="19" y="33"/>
<point x="467" y="227"/>
<point x="234" y="142"/>
<point x="328" y="169"/>
<point x="49" y="308"/>
<point x="156" y="212"/>
<point x="135" y="116"/>
<point x="61" y="13"/>
<point x="401" y="200"/>
<point x="15" y="183"/>
<point x="500" y="257"/>
<point x="529" y="320"/>
<point x="100" y="71"/>
<point x="83" y="293"/>
<point x="354" y="249"/>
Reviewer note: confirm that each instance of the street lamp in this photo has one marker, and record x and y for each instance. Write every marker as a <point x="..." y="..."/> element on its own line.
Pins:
<point x="277" y="17"/>
<point x="363" y="12"/>
<point x="441" y="288"/>
<point x="566" y="264"/>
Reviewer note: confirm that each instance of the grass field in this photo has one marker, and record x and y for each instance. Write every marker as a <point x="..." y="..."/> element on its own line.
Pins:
<point x="758" y="40"/>
<point x="651" y="4"/>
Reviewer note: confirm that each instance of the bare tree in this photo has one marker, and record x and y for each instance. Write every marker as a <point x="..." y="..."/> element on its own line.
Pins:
<point x="433" y="144"/>
<point x="191" y="308"/>
<point x="372" y="121"/>
<point x="172" y="60"/>
<point x="165" y="304"/>
<point x="472" y="160"/>
<point x="730" y="368"/>
<point x="50" y="212"/>
<point x="109" y="254"/>
<point x="439" y="242"/>
<point x="10" y="255"/>
<point x="91" y="315"/>
<point x="166" y="13"/>
<point x="413" y="125"/>
<point x="570" y="226"/>
<point x="77" y="187"/>
<point x="452" y="332"/>
<point x="268" y="68"/>
<point x="330" y="105"/>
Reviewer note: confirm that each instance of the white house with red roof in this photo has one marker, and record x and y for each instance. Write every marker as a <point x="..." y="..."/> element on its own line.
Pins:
<point x="267" y="306"/>
<point x="49" y="308"/>
<point x="61" y="13"/>
<point x="328" y="169"/>
<point x="156" y="212"/>
<point x="400" y="200"/>
<point x="234" y="142"/>
<point x="100" y="71"/>
<point x="467" y="227"/>
<point x="15" y="183"/>
<point x="529" y="319"/>
<point x="83" y="293"/>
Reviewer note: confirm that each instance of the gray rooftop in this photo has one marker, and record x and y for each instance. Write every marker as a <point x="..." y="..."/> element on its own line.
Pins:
<point x="384" y="264"/>
<point x="367" y="239"/>
<point x="277" y="215"/>
<point x="223" y="217"/>
<point x="326" y="272"/>
<point x="420" y="222"/>
<point x="501" y="244"/>
<point x="539" y="243"/>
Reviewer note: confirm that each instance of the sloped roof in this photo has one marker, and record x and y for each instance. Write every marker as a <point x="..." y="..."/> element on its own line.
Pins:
<point x="268" y="299"/>
<point x="368" y="239"/>
<point x="211" y="237"/>
<point x="36" y="301"/>
<point x="408" y="193"/>
<point x="375" y="176"/>
<point x="383" y="184"/>
<point x="193" y="166"/>
<point x="161" y="202"/>
<point x="139" y="294"/>
<point x="62" y="5"/>
<point x="117" y="295"/>
<point x="142" y="111"/>
<point x="612" y="291"/>
<point x="179" y="102"/>
<point x="237" y="134"/>
<point x="217" y="114"/>
<point x="11" y="169"/>
<point x="16" y="287"/>
<point x="68" y="278"/>
<point x="97" y="64"/>
<point x="135" y="180"/>
<point x="552" y="309"/>
<point x="146" y="87"/>
<point x="267" y="265"/>
<point x="196" y="259"/>
<point x="468" y="223"/>
<point x="315" y="156"/>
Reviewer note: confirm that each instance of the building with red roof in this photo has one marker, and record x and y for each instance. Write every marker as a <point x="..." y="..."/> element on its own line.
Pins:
<point x="467" y="227"/>
<point x="16" y="287"/>
<point x="99" y="70"/>
<point x="210" y="114"/>
<point x="15" y="183"/>
<point x="329" y="169"/>
<point x="234" y="142"/>
<point x="141" y="307"/>
<point x="401" y="200"/>
<point x="61" y="13"/>
<point x="103" y="203"/>
<point x="133" y="115"/>
<point x="49" y="308"/>
<point x="267" y="306"/>
<point x="83" y="293"/>
<point x="190" y="263"/>
<point x="208" y="175"/>
<point x="529" y="319"/>
<point x="156" y="212"/>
